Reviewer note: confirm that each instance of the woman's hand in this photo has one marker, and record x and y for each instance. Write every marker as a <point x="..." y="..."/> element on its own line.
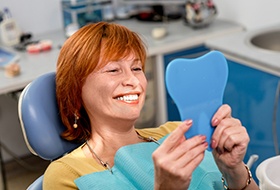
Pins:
<point x="229" y="143"/>
<point x="229" y="140"/>
<point x="177" y="157"/>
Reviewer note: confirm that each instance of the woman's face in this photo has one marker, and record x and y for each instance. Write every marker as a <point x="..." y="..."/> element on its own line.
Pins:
<point x="116" y="91"/>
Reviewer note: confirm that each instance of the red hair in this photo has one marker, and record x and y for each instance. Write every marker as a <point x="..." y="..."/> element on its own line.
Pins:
<point x="79" y="56"/>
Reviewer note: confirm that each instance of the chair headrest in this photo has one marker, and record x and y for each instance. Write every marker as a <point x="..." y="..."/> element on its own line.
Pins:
<point x="40" y="119"/>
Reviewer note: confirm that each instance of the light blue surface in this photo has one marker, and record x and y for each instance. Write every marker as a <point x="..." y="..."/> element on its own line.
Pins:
<point x="197" y="86"/>
<point x="193" y="52"/>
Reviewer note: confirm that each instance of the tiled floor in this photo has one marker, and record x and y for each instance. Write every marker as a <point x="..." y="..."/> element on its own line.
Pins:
<point x="20" y="176"/>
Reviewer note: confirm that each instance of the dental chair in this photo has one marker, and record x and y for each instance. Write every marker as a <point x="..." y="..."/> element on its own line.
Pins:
<point x="40" y="122"/>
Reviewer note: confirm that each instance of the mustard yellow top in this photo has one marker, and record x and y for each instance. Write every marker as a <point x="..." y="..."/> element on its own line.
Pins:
<point x="61" y="173"/>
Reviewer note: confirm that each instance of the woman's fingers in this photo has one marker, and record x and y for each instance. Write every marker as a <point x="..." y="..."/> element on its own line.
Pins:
<point x="177" y="157"/>
<point x="181" y="161"/>
<point x="180" y="152"/>
<point x="223" y="112"/>
<point x="222" y="132"/>
<point x="239" y="139"/>
<point x="230" y="135"/>
<point x="191" y="152"/>
<point x="184" y="166"/>
<point x="176" y="137"/>
<point x="187" y="147"/>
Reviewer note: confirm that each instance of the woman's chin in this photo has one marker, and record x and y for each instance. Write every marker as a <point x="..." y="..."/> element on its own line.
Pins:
<point x="132" y="119"/>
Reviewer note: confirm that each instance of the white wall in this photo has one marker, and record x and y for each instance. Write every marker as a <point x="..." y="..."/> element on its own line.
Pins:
<point x="252" y="14"/>
<point x="39" y="16"/>
<point x="36" y="16"/>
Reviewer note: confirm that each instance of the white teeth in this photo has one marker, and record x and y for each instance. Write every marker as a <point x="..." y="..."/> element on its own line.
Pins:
<point x="128" y="98"/>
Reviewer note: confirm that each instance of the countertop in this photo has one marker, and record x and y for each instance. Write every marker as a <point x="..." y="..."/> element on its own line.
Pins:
<point x="179" y="37"/>
<point x="237" y="47"/>
<point x="33" y="65"/>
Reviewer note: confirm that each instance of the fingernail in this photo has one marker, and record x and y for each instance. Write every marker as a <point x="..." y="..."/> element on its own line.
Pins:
<point x="203" y="137"/>
<point x="213" y="143"/>
<point x="215" y="122"/>
<point x="188" y="122"/>
<point x="205" y="145"/>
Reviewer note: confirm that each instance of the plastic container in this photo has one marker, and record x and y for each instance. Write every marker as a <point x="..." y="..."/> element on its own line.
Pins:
<point x="10" y="32"/>
<point x="81" y="12"/>
<point x="268" y="173"/>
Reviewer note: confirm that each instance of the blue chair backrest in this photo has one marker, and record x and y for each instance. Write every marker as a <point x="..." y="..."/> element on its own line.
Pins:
<point x="197" y="86"/>
<point x="40" y="119"/>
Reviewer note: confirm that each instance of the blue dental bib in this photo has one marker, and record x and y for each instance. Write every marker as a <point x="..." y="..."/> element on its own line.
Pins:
<point x="134" y="170"/>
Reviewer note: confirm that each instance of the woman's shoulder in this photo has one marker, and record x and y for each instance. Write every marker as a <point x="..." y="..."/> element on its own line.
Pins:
<point x="59" y="174"/>
<point x="63" y="171"/>
<point x="161" y="131"/>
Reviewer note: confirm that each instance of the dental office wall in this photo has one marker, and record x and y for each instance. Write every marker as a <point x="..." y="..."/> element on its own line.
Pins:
<point x="45" y="15"/>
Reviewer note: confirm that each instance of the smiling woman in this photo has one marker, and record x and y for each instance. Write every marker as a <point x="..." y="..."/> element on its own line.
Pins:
<point x="90" y="49"/>
<point x="101" y="89"/>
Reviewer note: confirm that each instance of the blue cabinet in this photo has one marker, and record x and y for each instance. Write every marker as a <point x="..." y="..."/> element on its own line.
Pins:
<point x="253" y="97"/>
<point x="172" y="111"/>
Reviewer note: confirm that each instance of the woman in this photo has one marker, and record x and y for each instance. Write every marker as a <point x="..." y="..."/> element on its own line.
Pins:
<point x="100" y="92"/>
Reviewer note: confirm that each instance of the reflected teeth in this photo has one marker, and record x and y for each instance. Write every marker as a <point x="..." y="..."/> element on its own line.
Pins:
<point x="128" y="98"/>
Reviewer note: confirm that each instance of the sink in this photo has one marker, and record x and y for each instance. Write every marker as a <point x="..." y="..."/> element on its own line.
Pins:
<point x="266" y="40"/>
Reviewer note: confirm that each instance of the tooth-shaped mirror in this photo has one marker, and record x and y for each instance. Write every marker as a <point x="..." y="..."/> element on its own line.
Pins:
<point x="197" y="87"/>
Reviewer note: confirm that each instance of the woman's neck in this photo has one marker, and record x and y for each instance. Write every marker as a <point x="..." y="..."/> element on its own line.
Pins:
<point x="106" y="140"/>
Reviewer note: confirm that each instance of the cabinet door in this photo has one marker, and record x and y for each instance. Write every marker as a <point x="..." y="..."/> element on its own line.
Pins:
<point x="251" y="95"/>
<point x="172" y="111"/>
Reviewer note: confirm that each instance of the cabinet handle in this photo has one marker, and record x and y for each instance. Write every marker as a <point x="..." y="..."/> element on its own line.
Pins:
<point x="274" y="121"/>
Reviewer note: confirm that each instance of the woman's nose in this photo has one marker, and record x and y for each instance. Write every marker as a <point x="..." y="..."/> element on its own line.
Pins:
<point x="130" y="79"/>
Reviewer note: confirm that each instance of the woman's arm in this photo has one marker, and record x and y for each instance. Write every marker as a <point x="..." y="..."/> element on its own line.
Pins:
<point x="229" y="142"/>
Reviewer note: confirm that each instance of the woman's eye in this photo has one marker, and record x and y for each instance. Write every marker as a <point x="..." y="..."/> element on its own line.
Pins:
<point x="112" y="70"/>
<point x="137" y="69"/>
